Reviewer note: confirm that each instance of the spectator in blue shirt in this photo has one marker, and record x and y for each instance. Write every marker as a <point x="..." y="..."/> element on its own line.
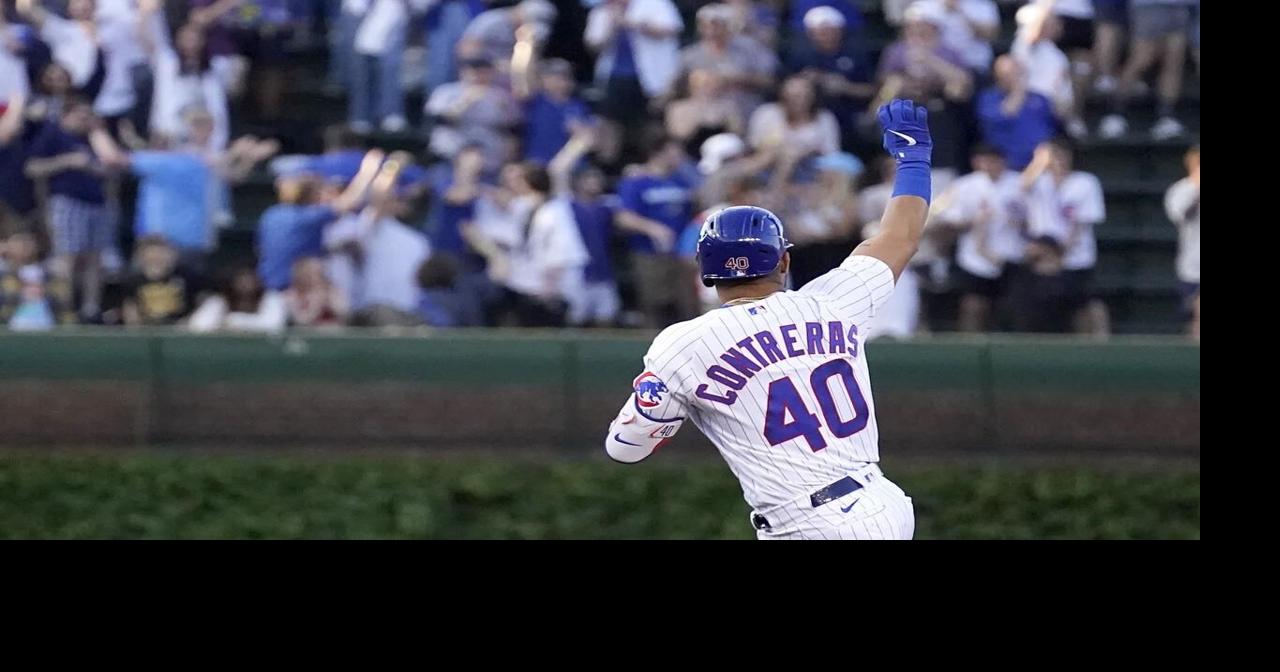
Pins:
<point x="597" y="303"/>
<point x="456" y="190"/>
<point x="80" y="225"/>
<point x="655" y="204"/>
<point x="830" y="59"/>
<point x="551" y="110"/>
<point x="294" y="228"/>
<point x="1011" y="118"/>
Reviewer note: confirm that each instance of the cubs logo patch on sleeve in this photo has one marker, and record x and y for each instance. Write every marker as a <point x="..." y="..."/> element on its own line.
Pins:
<point x="650" y="390"/>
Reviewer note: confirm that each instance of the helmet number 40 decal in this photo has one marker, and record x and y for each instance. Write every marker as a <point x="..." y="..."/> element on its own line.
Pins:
<point x="738" y="264"/>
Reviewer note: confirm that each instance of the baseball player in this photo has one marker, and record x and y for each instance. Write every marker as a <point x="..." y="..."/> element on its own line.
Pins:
<point x="778" y="379"/>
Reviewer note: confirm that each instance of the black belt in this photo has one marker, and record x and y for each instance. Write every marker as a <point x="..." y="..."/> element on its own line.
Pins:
<point x="830" y="493"/>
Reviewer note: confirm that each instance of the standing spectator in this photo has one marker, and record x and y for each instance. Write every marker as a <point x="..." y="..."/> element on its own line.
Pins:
<point x="551" y="110"/>
<point x="1066" y="204"/>
<point x="545" y="267"/>
<point x="655" y="207"/>
<point x="705" y="113"/>
<point x="795" y="124"/>
<point x="1047" y="69"/>
<point x="920" y="67"/>
<point x="1078" y="37"/>
<point x="1012" y="118"/>
<point x="824" y="216"/>
<point x="376" y="256"/>
<point x="311" y="300"/>
<point x="184" y="78"/>
<point x="182" y="188"/>
<point x="73" y="40"/>
<point x="456" y="190"/>
<point x="493" y="34"/>
<point x="377" y="48"/>
<point x="1160" y="29"/>
<point x="473" y="110"/>
<point x="241" y="304"/>
<point x="840" y="70"/>
<point x="968" y="28"/>
<point x="159" y="293"/>
<point x="79" y="223"/>
<point x="637" y="49"/>
<point x="96" y="36"/>
<point x="986" y="207"/>
<point x="746" y="68"/>
<point x="294" y="228"/>
<point x="1182" y="204"/>
<point x="595" y="301"/>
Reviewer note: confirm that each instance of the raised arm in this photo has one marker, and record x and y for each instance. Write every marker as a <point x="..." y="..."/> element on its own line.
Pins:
<point x="907" y="139"/>
<point x="524" y="64"/>
<point x="351" y="197"/>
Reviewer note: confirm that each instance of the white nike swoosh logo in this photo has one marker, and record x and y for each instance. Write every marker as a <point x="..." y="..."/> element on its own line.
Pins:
<point x="910" y="140"/>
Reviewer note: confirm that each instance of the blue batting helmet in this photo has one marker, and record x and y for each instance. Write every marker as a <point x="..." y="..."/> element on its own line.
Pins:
<point x="740" y="242"/>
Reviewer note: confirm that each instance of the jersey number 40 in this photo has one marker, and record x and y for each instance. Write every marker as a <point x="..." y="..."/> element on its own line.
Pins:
<point x="788" y="417"/>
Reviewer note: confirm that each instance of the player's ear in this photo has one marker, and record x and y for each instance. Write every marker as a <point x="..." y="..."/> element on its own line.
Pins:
<point x="785" y="265"/>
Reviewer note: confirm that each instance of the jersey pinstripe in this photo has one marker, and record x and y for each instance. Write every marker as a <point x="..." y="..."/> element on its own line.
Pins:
<point x="725" y="371"/>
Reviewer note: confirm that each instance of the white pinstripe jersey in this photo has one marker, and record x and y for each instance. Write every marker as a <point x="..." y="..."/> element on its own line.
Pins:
<point x="780" y="385"/>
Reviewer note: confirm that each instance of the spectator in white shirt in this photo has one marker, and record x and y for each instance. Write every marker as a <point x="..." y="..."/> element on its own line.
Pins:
<point x="545" y="266"/>
<point x="986" y="207"/>
<point x="184" y="78"/>
<point x="375" y="257"/>
<point x="1182" y="204"/>
<point x="73" y="40"/>
<point x="968" y="27"/>
<point x="117" y="30"/>
<point x="1048" y="70"/>
<point x="637" y="49"/>
<point x="1065" y="204"/>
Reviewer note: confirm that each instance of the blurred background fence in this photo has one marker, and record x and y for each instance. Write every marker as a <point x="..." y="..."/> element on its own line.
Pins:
<point x="534" y="391"/>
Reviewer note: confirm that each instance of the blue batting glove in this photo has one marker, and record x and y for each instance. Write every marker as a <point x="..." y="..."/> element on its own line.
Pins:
<point x="906" y="131"/>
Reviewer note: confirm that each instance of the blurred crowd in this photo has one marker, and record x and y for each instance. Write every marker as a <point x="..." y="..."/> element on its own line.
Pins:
<point x="571" y="153"/>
